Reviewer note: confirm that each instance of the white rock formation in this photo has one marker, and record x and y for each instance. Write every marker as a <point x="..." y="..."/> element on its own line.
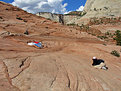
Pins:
<point x="66" y="19"/>
<point x="100" y="8"/>
<point x="103" y="8"/>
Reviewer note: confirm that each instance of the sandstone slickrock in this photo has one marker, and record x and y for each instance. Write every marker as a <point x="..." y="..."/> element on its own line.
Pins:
<point x="64" y="64"/>
<point x="102" y="8"/>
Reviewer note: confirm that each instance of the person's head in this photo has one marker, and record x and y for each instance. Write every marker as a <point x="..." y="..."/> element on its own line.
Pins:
<point x="94" y="58"/>
<point x="29" y="41"/>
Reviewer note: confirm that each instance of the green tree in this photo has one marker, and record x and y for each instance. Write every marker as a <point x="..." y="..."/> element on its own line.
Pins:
<point x="118" y="37"/>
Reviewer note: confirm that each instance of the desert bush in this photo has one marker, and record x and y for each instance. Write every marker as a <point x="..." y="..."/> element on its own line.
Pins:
<point x="47" y="27"/>
<point x="106" y="7"/>
<point x="115" y="53"/>
<point x="72" y="24"/>
<point x="24" y="20"/>
<point x="95" y="9"/>
<point x="6" y="9"/>
<point x="1" y="17"/>
<point x="104" y="44"/>
<point x="86" y="27"/>
<point x="48" y="19"/>
<point x="19" y="18"/>
<point x="102" y="37"/>
<point x="118" y="37"/>
<point x="94" y="34"/>
<point x="107" y="33"/>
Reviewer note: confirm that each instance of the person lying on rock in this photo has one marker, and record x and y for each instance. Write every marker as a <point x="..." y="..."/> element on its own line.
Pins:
<point x="99" y="63"/>
<point x="35" y="44"/>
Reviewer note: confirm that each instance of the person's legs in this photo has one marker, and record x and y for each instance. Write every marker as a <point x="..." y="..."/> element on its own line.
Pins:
<point x="37" y="46"/>
<point x="104" y="68"/>
<point x="100" y="65"/>
<point x="40" y="44"/>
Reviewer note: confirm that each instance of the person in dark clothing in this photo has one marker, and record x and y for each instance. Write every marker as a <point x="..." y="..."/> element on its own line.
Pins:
<point x="99" y="63"/>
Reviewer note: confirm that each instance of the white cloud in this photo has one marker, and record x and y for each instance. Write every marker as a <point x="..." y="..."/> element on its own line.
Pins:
<point x="34" y="6"/>
<point x="80" y="8"/>
<point x="67" y="12"/>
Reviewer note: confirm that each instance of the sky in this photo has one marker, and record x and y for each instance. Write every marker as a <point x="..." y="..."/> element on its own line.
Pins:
<point x="53" y="6"/>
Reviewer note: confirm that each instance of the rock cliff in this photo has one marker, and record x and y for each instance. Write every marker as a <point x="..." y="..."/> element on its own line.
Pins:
<point x="102" y="8"/>
<point x="64" y="19"/>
